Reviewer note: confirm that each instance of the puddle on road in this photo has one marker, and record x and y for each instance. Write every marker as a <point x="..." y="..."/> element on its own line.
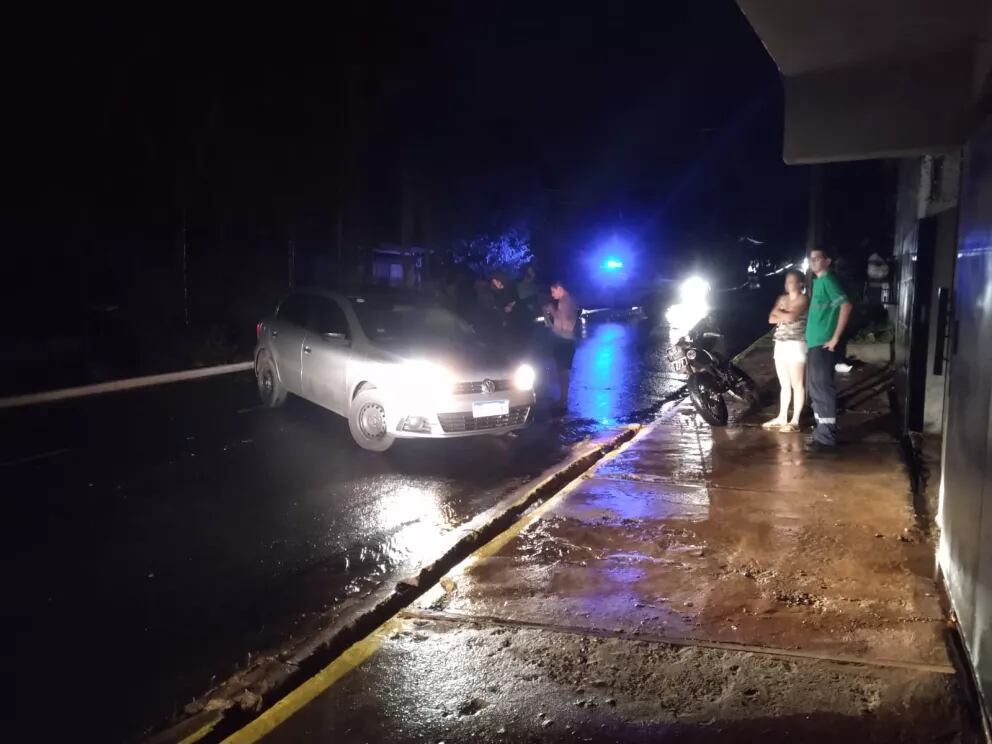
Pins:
<point x="620" y="375"/>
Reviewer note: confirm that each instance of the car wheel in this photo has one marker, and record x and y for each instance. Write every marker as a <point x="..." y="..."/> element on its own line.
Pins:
<point x="367" y="421"/>
<point x="270" y="390"/>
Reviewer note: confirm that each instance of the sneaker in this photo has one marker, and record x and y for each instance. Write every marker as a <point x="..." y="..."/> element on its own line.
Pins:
<point x="843" y="367"/>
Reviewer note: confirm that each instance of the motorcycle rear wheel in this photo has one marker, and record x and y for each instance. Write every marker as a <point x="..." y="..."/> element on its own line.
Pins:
<point x="706" y="397"/>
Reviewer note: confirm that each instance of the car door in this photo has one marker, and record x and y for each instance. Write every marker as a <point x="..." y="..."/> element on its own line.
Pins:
<point x="288" y="332"/>
<point x="326" y="351"/>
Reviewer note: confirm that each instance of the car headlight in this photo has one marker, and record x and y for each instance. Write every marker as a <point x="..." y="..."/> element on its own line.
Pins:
<point x="524" y="377"/>
<point x="422" y="378"/>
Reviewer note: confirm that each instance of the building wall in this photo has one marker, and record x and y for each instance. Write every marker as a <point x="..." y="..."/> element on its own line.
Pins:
<point x="965" y="515"/>
<point x="904" y="255"/>
<point x="924" y="253"/>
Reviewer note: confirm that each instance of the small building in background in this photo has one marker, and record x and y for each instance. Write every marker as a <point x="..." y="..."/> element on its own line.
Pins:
<point x="407" y="267"/>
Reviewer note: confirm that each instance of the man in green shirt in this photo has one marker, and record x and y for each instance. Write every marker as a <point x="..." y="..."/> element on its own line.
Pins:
<point x="829" y="311"/>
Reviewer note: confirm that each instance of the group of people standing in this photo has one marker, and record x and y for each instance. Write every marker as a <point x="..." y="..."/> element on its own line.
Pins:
<point x="808" y="329"/>
<point x="506" y="313"/>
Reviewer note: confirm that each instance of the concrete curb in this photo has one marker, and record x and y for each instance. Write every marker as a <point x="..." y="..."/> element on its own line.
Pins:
<point x="236" y="702"/>
<point x="753" y="345"/>
<point x="113" y="386"/>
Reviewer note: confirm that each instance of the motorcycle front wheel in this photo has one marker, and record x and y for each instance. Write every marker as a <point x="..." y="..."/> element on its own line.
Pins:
<point x="706" y="397"/>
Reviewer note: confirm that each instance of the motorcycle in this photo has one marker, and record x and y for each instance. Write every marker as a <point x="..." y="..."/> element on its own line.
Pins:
<point x="711" y="374"/>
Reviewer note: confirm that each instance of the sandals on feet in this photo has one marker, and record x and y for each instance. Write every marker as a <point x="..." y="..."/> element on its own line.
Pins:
<point x="775" y="423"/>
<point x="788" y="428"/>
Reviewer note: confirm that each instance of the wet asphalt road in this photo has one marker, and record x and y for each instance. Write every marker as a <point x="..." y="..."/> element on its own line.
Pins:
<point x="157" y="537"/>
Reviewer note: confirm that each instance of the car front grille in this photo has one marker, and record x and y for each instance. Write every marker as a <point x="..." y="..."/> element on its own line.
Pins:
<point x="456" y="422"/>
<point x="469" y="388"/>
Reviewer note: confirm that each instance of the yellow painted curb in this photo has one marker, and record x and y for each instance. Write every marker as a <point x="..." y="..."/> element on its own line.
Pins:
<point x="288" y="706"/>
<point x="362" y="650"/>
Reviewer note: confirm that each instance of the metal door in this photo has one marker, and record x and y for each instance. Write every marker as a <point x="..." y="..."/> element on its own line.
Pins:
<point x="966" y="503"/>
<point x="916" y="364"/>
<point x="326" y="351"/>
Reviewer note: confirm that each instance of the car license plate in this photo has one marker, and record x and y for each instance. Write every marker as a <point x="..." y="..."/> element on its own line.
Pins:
<point x="484" y="408"/>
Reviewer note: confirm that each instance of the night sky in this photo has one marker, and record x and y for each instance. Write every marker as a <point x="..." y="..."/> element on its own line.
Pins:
<point x="659" y="121"/>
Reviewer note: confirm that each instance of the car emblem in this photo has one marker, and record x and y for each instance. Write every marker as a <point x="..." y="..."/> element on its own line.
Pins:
<point x="488" y="387"/>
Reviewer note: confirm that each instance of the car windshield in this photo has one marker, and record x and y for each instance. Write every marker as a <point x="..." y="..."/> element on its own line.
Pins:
<point x="385" y="320"/>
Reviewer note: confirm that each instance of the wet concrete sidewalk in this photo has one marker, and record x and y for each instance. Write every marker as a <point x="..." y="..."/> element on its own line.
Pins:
<point x="699" y="585"/>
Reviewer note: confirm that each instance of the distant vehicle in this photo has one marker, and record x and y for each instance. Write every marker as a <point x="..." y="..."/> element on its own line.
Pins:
<point x="396" y="366"/>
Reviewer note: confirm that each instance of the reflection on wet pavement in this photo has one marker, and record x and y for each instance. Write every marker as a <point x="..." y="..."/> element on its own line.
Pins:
<point x="699" y="585"/>
<point x="436" y="680"/>
<point x="620" y="375"/>
<point x="410" y="522"/>
<point x="729" y="535"/>
<point x="217" y="528"/>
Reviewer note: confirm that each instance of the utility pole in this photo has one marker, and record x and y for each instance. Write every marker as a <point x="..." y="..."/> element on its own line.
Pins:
<point x="291" y="251"/>
<point x="183" y="244"/>
<point x="814" y="230"/>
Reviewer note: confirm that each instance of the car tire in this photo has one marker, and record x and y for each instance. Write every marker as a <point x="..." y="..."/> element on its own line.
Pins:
<point x="367" y="422"/>
<point x="270" y="390"/>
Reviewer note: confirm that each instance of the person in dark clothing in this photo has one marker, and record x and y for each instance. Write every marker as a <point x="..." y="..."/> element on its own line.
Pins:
<point x="504" y="295"/>
<point x="503" y="299"/>
<point x="564" y="315"/>
<point x="527" y="287"/>
<point x="527" y="306"/>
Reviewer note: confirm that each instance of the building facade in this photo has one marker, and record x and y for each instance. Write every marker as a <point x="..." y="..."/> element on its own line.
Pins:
<point x="912" y="80"/>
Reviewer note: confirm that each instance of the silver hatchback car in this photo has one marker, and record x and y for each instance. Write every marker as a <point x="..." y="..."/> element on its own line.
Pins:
<point x="394" y="365"/>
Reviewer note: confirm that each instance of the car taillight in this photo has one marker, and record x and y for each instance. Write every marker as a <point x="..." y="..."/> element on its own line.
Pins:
<point x="258" y="330"/>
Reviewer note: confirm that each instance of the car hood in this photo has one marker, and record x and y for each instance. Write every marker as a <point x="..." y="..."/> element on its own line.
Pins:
<point x="463" y="357"/>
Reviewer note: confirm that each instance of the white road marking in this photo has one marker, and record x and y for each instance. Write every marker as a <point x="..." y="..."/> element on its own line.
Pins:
<point x="34" y="457"/>
<point x="117" y="385"/>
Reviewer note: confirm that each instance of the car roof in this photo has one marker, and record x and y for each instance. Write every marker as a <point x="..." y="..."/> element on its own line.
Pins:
<point x="369" y="294"/>
<point x="323" y="292"/>
<point x="385" y="296"/>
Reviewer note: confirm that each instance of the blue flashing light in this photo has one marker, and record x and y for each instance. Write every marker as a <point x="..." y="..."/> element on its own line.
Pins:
<point x="612" y="264"/>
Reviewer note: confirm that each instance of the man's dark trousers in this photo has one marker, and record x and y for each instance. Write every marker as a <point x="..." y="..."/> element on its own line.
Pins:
<point x="820" y="385"/>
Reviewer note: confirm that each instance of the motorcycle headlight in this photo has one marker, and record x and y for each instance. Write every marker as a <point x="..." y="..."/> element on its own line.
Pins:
<point x="524" y="377"/>
<point x="694" y="291"/>
<point x="690" y="354"/>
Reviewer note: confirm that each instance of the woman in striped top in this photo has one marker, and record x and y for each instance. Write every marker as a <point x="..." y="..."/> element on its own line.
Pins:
<point x="788" y="315"/>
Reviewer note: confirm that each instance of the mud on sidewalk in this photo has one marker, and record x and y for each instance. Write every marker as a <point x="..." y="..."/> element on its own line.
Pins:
<point x="698" y="585"/>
